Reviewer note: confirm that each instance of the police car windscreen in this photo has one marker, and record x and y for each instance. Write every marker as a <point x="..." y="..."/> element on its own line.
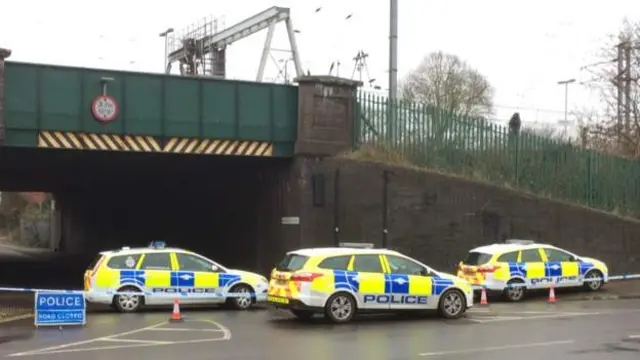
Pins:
<point x="477" y="258"/>
<point x="94" y="262"/>
<point x="292" y="262"/>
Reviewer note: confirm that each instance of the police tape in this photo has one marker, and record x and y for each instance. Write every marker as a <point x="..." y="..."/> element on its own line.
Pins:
<point x="168" y="292"/>
<point x="193" y="292"/>
<point x="548" y="281"/>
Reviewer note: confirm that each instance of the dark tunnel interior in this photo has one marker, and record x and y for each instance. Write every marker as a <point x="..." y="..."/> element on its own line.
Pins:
<point x="225" y="208"/>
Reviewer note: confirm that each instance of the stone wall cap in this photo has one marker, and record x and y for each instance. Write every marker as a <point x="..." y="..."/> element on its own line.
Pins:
<point x="4" y="53"/>
<point x="328" y="80"/>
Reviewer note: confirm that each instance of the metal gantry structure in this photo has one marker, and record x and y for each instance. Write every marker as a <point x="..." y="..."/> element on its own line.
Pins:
<point x="201" y="49"/>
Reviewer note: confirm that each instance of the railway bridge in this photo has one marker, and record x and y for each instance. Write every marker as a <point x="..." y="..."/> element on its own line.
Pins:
<point x="214" y="165"/>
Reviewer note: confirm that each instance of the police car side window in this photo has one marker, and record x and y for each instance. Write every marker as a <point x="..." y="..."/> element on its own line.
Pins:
<point x="509" y="257"/>
<point x="531" y="255"/>
<point x="399" y="265"/>
<point x="156" y="261"/>
<point x="557" y="255"/>
<point x="193" y="263"/>
<point x="335" y="263"/>
<point x="124" y="261"/>
<point x="367" y="263"/>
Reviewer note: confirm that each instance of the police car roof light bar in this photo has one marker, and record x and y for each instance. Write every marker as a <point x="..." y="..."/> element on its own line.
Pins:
<point x="158" y="244"/>
<point x="520" y="242"/>
<point x="356" y="245"/>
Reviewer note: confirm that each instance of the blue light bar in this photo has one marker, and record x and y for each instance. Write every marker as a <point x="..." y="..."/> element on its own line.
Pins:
<point x="158" y="244"/>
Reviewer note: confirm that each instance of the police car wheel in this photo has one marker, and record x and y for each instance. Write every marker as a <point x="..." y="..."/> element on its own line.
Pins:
<point x="593" y="280"/>
<point x="128" y="303"/>
<point x="452" y="304"/>
<point x="515" y="291"/>
<point x="340" y="308"/>
<point x="242" y="297"/>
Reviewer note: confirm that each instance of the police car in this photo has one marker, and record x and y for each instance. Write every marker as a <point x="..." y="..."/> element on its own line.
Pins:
<point x="516" y="266"/>
<point x="341" y="281"/>
<point x="163" y="274"/>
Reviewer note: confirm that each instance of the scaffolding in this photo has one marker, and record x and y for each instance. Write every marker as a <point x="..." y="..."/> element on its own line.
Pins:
<point x="193" y="59"/>
<point x="201" y="49"/>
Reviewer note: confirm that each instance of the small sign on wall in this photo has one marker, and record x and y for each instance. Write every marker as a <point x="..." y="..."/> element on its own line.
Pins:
<point x="290" y="220"/>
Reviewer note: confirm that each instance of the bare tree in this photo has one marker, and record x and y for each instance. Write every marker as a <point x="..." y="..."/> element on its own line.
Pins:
<point x="615" y="127"/>
<point x="449" y="83"/>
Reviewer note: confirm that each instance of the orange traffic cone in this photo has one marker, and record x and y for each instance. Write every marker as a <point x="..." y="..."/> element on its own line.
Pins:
<point x="483" y="297"/>
<point x="175" y="316"/>
<point x="552" y="294"/>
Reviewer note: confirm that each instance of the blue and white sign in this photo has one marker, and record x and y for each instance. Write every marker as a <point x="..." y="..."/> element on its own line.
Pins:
<point x="60" y="308"/>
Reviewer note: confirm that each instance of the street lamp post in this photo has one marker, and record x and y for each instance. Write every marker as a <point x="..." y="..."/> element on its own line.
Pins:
<point x="566" y="98"/>
<point x="165" y="34"/>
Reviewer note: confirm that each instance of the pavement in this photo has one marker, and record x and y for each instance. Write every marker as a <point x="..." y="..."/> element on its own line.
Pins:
<point x="586" y="330"/>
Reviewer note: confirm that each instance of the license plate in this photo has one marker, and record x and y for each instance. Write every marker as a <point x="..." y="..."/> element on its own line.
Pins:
<point x="278" y="300"/>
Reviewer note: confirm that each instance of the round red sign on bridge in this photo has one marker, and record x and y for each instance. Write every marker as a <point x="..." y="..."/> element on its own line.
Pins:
<point x="104" y="108"/>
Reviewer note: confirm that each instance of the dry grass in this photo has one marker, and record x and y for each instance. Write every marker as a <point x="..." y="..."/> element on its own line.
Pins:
<point x="383" y="154"/>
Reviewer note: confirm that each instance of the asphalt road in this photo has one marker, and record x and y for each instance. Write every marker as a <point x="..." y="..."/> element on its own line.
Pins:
<point x="533" y="330"/>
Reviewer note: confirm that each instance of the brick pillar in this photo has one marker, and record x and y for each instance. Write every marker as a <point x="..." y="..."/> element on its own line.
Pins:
<point x="4" y="53"/>
<point x="325" y="115"/>
<point x="325" y="128"/>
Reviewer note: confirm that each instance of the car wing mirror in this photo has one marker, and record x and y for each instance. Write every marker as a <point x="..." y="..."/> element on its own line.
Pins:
<point x="214" y="268"/>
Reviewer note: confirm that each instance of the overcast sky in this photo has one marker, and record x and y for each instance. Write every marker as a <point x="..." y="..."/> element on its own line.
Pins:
<point x="523" y="48"/>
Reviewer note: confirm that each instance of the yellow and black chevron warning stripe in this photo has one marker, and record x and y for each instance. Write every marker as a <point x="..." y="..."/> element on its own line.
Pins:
<point x="218" y="147"/>
<point x="90" y="141"/>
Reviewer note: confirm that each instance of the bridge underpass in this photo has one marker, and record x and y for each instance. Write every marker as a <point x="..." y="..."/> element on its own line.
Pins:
<point x="225" y="208"/>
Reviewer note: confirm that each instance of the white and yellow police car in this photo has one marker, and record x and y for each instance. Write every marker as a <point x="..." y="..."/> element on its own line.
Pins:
<point x="344" y="280"/>
<point x="516" y="266"/>
<point x="163" y="274"/>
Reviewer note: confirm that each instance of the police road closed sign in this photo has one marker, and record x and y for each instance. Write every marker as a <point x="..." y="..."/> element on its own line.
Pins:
<point x="104" y="108"/>
<point x="60" y="308"/>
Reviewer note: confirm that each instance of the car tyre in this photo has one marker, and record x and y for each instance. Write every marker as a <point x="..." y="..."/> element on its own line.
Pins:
<point x="128" y="303"/>
<point x="452" y="304"/>
<point x="302" y="314"/>
<point x="340" y="308"/>
<point x="243" y="297"/>
<point x="593" y="280"/>
<point x="515" y="293"/>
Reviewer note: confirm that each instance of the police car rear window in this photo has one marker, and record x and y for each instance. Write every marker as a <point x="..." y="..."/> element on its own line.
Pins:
<point x="292" y="262"/>
<point x="477" y="258"/>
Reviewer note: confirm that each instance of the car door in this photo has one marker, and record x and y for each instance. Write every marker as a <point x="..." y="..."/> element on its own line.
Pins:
<point x="562" y="267"/>
<point x="157" y="275"/>
<point x="411" y="284"/>
<point x="366" y="276"/>
<point x="534" y="268"/>
<point x="198" y="277"/>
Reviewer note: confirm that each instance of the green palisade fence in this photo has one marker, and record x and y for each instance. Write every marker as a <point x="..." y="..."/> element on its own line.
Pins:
<point x="478" y="149"/>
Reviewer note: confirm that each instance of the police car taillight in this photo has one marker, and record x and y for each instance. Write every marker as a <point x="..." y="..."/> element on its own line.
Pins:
<point x="305" y="276"/>
<point x="488" y="269"/>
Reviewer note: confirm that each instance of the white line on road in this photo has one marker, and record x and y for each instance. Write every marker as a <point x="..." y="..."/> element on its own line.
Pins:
<point x="634" y="336"/>
<point x="226" y="335"/>
<point x="138" y="341"/>
<point x="535" y="317"/>
<point x="184" y="329"/>
<point x="498" y="348"/>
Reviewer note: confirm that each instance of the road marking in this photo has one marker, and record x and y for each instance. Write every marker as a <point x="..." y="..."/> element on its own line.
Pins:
<point x="226" y="335"/>
<point x="138" y="341"/>
<point x="16" y="318"/>
<point x="498" y="348"/>
<point x="535" y="317"/>
<point x="185" y="329"/>
<point x="634" y="336"/>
